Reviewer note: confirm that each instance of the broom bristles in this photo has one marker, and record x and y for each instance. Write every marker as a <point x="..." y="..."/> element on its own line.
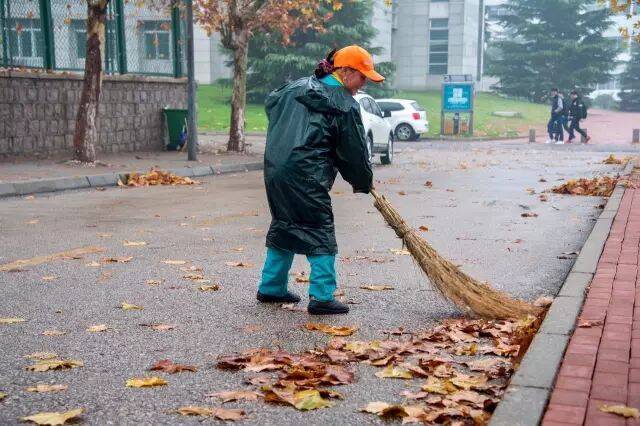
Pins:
<point x="472" y="296"/>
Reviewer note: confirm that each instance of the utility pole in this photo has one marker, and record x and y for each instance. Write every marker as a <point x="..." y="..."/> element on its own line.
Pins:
<point x="192" y="130"/>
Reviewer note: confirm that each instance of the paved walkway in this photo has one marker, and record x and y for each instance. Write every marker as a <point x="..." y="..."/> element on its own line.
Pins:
<point x="604" y="127"/>
<point x="602" y="362"/>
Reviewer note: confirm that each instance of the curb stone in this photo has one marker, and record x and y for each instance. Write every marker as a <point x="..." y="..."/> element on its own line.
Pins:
<point x="10" y="189"/>
<point x="528" y="392"/>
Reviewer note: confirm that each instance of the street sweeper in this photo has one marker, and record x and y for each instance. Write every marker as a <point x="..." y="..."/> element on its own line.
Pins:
<point x="315" y="130"/>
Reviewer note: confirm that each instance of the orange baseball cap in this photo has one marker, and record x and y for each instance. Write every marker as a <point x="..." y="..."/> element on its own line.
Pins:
<point x="359" y="59"/>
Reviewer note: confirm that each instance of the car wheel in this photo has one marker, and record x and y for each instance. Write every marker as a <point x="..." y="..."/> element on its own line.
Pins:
<point x="405" y="132"/>
<point x="387" y="158"/>
<point x="370" y="147"/>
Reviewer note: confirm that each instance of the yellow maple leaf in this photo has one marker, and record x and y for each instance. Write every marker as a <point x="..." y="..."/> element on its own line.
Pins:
<point x="130" y="307"/>
<point x="53" y="418"/>
<point x="146" y="382"/>
<point x="11" y="320"/>
<point x="310" y="400"/>
<point x="621" y="410"/>
<point x="332" y="330"/>
<point x="391" y="372"/>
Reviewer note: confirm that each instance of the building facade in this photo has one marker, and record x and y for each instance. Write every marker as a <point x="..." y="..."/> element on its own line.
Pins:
<point x="424" y="38"/>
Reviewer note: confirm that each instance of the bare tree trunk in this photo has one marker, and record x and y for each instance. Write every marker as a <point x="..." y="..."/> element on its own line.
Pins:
<point x="86" y="132"/>
<point x="239" y="96"/>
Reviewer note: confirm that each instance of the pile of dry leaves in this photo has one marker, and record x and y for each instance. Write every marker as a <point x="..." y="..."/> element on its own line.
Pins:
<point x="601" y="186"/>
<point x="612" y="159"/>
<point x="456" y="371"/>
<point x="156" y="177"/>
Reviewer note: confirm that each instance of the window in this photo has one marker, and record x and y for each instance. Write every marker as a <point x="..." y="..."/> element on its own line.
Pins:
<point x="157" y="40"/>
<point x="366" y="104"/>
<point x="390" y="106"/>
<point x="375" y="108"/>
<point x="25" y="38"/>
<point x="438" y="46"/>
<point x="417" y="106"/>
<point x="79" y="36"/>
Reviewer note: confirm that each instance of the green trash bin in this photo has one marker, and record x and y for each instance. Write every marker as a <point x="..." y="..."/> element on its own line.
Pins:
<point x="176" y="120"/>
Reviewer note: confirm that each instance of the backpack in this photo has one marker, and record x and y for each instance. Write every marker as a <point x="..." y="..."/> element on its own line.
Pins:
<point x="584" y="110"/>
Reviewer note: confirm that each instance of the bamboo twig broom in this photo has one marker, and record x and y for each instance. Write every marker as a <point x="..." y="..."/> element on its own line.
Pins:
<point x="472" y="296"/>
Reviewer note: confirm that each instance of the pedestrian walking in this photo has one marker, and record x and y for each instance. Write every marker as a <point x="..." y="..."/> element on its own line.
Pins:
<point x="315" y="130"/>
<point x="577" y="112"/>
<point x="555" y="120"/>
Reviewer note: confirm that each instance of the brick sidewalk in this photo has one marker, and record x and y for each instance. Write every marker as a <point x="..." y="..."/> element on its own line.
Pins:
<point x="602" y="362"/>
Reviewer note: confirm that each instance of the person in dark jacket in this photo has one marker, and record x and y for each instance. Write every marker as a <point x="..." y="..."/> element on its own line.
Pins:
<point x="554" y="126"/>
<point x="315" y="131"/>
<point x="577" y="112"/>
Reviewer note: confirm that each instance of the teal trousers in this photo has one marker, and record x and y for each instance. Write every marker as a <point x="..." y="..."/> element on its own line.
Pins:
<point x="275" y="274"/>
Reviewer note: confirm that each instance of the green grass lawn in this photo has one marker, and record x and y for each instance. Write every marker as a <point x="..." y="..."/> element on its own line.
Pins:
<point x="214" y="110"/>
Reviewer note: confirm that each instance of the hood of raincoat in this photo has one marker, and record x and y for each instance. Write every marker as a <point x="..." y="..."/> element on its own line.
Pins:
<point x="315" y="131"/>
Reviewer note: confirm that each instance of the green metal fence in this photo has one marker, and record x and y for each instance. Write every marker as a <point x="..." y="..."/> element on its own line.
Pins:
<point x="52" y="34"/>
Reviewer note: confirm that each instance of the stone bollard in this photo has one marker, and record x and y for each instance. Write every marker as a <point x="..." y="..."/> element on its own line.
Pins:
<point x="582" y="138"/>
<point x="636" y="136"/>
<point x="532" y="135"/>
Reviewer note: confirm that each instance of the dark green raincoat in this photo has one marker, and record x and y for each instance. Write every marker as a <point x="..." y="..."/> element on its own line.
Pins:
<point x="314" y="131"/>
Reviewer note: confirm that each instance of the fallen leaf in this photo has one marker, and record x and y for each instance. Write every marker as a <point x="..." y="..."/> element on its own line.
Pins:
<point x="332" y="330"/>
<point x="41" y="355"/>
<point x="235" y="396"/>
<point x="543" y="301"/>
<point x="153" y="282"/>
<point x="32" y="222"/>
<point x="54" y="364"/>
<point x="310" y="400"/>
<point x="49" y="278"/>
<point x="53" y="332"/>
<point x="400" y="252"/>
<point x="103" y="235"/>
<point x="543" y="198"/>
<point x="590" y="323"/>
<point x="124" y="259"/>
<point x="213" y="287"/>
<point x="428" y="184"/>
<point x="621" y="410"/>
<point x="423" y="228"/>
<point x="93" y="264"/>
<point x="3" y="395"/>
<point x="11" y="320"/>
<point x="43" y="387"/>
<point x="144" y="382"/>
<point x="391" y="372"/>
<point x="529" y="214"/>
<point x="193" y="276"/>
<point x="159" y="326"/>
<point x="238" y="249"/>
<point x="174" y="262"/>
<point x="53" y="418"/>
<point x="402" y="193"/>
<point x="128" y="243"/>
<point x="376" y="287"/>
<point x="468" y="382"/>
<point x="98" y="328"/>
<point x="168" y="366"/>
<point x="239" y="264"/>
<point x="218" y="413"/>
<point x="130" y="307"/>
<point x="440" y="386"/>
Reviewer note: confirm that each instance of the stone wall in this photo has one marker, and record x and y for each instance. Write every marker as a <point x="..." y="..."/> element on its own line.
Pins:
<point x="38" y="111"/>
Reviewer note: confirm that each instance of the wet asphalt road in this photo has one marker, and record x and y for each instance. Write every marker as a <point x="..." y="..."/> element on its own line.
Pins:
<point x="473" y="212"/>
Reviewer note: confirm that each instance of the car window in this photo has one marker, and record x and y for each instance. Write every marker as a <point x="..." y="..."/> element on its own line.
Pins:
<point x="376" y="108"/>
<point x="417" y="106"/>
<point x="366" y="104"/>
<point x="390" y="106"/>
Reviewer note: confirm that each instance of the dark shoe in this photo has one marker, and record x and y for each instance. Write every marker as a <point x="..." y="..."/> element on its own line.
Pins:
<point x="287" y="298"/>
<point x="327" y="308"/>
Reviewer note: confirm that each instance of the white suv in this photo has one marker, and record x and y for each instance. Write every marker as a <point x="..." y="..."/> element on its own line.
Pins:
<point x="406" y="117"/>
<point x="378" y="132"/>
